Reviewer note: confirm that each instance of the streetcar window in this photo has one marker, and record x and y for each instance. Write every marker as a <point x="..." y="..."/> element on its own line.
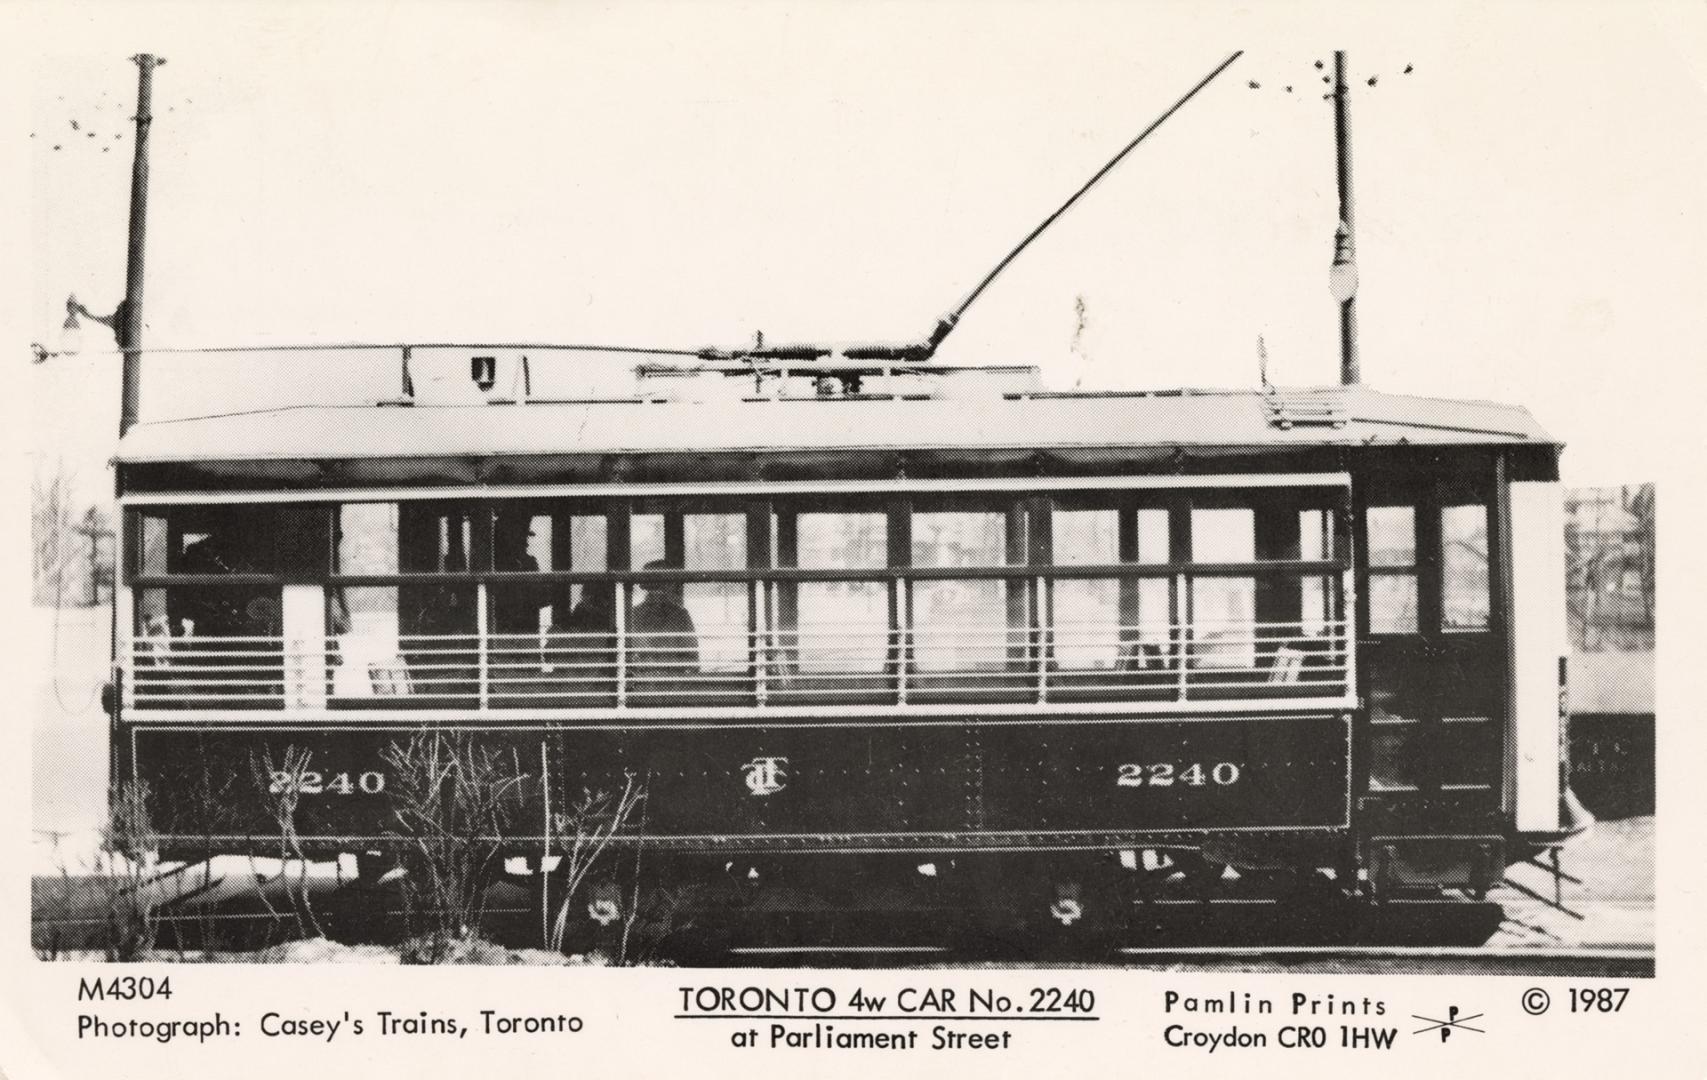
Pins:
<point x="1105" y="623"/>
<point x="521" y="540"/>
<point x="1393" y="723"/>
<point x="1087" y="624"/>
<point x="842" y="541"/>
<point x="1223" y="536"/>
<point x="1391" y="756"/>
<point x="414" y="640"/>
<point x="1464" y="567"/>
<point x="385" y="538"/>
<point x="152" y="543"/>
<point x="718" y="610"/>
<point x="209" y="540"/>
<point x="437" y="540"/>
<point x="962" y="625"/>
<point x="960" y="538"/>
<point x="646" y="539"/>
<point x="529" y="537"/>
<point x="204" y="611"/>
<point x="1392" y="536"/>
<point x="1392" y="542"/>
<point x="1085" y="537"/>
<point x="521" y="544"/>
<point x="1223" y="609"/>
<point x="230" y="540"/>
<point x="367" y="539"/>
<point x="1316" y="594"/>
<point x="1316" y="536"/>
<point x="839" y="626"/>
<point x="209" y="647"/>
<point x="1152" y="536"/>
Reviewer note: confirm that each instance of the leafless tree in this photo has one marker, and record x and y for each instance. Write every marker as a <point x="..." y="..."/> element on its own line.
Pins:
<point x="128" y="844"/>
<point x="281" y="783"/>
<point x="52" y="520"/>
<point x="587" y="830"/>
<point x="452" y="803"/>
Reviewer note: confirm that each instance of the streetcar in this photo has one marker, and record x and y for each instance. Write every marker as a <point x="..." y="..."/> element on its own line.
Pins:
<point x="850" y="621"/>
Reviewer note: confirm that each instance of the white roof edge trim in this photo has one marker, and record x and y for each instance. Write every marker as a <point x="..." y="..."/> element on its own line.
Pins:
<point x="746" y="487"/>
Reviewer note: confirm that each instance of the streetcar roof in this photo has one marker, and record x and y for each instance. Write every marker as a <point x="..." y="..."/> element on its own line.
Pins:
<point x="1220" y="419"/>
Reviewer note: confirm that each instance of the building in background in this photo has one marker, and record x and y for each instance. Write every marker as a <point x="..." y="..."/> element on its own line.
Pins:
<point x="1609" y="545"/>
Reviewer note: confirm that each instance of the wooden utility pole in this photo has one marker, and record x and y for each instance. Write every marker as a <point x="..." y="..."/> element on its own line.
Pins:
<point x="1343" y="277"/>
<point x="128" y="324"/>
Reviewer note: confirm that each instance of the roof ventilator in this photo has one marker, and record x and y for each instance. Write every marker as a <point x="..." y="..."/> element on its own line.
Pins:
<point x="1287" y="409"/>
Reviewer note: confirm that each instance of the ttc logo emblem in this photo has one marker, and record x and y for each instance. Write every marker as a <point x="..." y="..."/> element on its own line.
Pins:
<point x="765" y="775"/>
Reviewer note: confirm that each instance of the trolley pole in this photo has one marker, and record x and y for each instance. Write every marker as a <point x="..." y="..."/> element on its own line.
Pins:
<point x="1344" y="282"/>
<point x="128" y="328"/>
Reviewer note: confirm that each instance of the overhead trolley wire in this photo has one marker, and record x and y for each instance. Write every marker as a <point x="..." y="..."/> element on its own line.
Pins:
<point x="915" y="352"/>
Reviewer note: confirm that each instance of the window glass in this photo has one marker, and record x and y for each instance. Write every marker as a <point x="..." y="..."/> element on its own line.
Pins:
<point x="211" y="540"/>
<point x="203" y="611"/>
<point x="1316" y="543"/>
<point x="1392" y="545"/>
<point x="1087" y="631"/>
<point x="1223" y="614"/>
<point x="367" y="538"/>
<point x="843" y="626"/>
<point x="543" y="538"/>
<point x="385" y="538"/>
<point x="645" y="539"/>
<point x="1392" y="535"/>
<point x="1105" y="623"/>
<point x="1464" y="567"/>
<point x="1086" y="613"/>
<point x="1223" y="536"/>
<point x="1316" y="535"/>
<point x="588" y="543"/>
<point x="413" y="641"/>
<point x="1101" y="623"/>
<point x="208" y="647"/>
<point x="434" y="539"/>
<point x="719" y="609"/>
<point x="152" y="544"/>
<point x="1392" y="758"/>
<point x="521" y="540"/>
<point x="842" y="541"/>
<point x="959" y="538"/>
<point x="1152" y="536"/>
<point x="714" y="541"/>
<point x="1316" y="605"/>
<point x="1085" y="537"/>
<point x="962" y="626"/>
<point x="1392" y="604"/>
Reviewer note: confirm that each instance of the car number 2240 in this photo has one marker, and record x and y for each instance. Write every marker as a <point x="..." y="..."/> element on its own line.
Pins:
<point x="1167" y="774"/>
<point x="314" y="783"/>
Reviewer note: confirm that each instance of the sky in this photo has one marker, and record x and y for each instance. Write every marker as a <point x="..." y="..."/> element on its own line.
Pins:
<point x="1530" y="208"/>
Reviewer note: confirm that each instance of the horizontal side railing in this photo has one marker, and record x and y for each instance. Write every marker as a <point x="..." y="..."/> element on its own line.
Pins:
<point x="941" y="647"/>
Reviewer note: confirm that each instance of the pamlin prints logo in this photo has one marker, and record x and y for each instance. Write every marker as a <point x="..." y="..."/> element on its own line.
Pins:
<point x="765" y="775"/>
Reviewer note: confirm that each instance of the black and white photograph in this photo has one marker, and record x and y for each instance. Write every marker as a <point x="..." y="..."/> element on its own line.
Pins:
<point x="750" y="492"/>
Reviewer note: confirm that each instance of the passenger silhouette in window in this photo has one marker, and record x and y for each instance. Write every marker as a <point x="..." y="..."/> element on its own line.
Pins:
<point x="665" y="643"/>
<point x="518" y="606"/>
<point x="586" y="646"/>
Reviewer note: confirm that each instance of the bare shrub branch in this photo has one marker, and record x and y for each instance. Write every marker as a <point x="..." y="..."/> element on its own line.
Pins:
<point x="452" y="803"/>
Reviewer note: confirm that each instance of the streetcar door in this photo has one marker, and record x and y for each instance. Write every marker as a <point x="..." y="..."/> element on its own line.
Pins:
<point x="1431" y="665"/>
